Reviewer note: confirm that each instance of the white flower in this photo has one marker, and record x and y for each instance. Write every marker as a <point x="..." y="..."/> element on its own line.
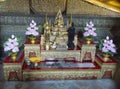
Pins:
<point x="32" y="24"/>
<point x="12" y="36"/>
<point x="107" y="37"/>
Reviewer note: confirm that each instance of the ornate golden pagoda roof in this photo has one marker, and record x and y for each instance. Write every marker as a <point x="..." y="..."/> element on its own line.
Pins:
<point x="59" y="22"/>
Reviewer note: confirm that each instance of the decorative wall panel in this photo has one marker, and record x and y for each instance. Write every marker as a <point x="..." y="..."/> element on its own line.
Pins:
<point x="17" y="6"/>
<point x="48" y="6"/>
<point x="85" y="8"/>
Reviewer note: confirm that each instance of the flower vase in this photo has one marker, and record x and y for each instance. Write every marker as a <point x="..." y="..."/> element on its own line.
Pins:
<point x="88" y="40"/>
<point x="106" y="57"/>
<point x="14" y="56"/>
<point x="32" y="40"/>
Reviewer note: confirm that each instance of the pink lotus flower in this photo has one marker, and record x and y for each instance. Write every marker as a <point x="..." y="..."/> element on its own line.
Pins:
<point x="113" y="50"/>
<point x="7" y="48"/>
<point x="36" y="33"/>
<point x="15" y="49"/>
<point x="28" y="33"/>
<point x="104" y="49"/>
<point x="86" y="28"/>
<point x="86" y="34"/>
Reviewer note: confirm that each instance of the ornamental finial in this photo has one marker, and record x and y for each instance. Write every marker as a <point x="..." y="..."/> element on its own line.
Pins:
<point x="70" y="22"/>
<point x="46" y="21"/>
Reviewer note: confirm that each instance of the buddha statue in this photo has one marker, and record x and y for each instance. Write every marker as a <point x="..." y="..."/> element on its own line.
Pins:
<point x="59" y="20"/>
<point x="58" y="24"/>
<point x="47" y="33"/>
<point x="59" y="33"/>
<point x="71" y="34"/>
<point x="60" y="42"/>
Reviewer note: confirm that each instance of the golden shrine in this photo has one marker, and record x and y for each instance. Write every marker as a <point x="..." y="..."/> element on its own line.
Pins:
<point x="50" y="58"/>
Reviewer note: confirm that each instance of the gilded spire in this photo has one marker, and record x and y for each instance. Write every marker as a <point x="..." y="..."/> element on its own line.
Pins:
<point x="46" y="21"/>
<point x="70" y="22"/>
<point x="59" y="19"/>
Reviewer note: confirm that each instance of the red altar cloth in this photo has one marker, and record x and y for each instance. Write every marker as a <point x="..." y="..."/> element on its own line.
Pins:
<point x="19" y="60"/>
<point x="36" y="42"/>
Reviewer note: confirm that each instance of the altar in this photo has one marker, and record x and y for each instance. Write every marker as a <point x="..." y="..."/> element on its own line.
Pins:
<point x="58" y="69"/>
<point x="58" y="54"/>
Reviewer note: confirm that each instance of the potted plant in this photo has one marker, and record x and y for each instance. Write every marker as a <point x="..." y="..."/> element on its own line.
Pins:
<point x="107" y="47"/>
<point x="12" y="46"/>
<point x="32" y="32"/>
<point x="89" y="32"/>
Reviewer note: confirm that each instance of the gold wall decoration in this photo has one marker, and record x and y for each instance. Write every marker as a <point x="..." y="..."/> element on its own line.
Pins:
<point x="106" y="67"/>
<point x="61" y="74"/>
<point x="19" y="6"/>
<point x="88" y="48"/>
<point x="78" y="7"/>
<point x="32" y="48"/>
<point x="13" y="67"/>
<point x="84" y="7"/>
<point x="60" y="54"/>
<point x="113" y="5"/>
<point x="48" y="6"/>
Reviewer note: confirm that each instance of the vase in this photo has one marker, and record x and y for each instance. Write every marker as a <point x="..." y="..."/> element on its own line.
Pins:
<point x="106" y="57"/>
<point x="88" y="40"/>
<point x="14" y="56"/>
<point x="32" y="40"/>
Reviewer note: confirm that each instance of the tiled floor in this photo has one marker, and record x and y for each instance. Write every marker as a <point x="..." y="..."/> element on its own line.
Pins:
<point x="60" y="84"/>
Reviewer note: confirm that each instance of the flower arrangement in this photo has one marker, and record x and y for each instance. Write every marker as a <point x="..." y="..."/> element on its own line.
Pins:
<point x="107" y="46"/>
<point x="89" y="30"/>
<point x="12" y="45"/>
<point x="32" y="30"/>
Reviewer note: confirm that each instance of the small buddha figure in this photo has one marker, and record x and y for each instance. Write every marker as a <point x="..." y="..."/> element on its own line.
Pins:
<point x="71" y="35"/>
<point x="60" y="42"/>
<point x="47" y="33"/>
